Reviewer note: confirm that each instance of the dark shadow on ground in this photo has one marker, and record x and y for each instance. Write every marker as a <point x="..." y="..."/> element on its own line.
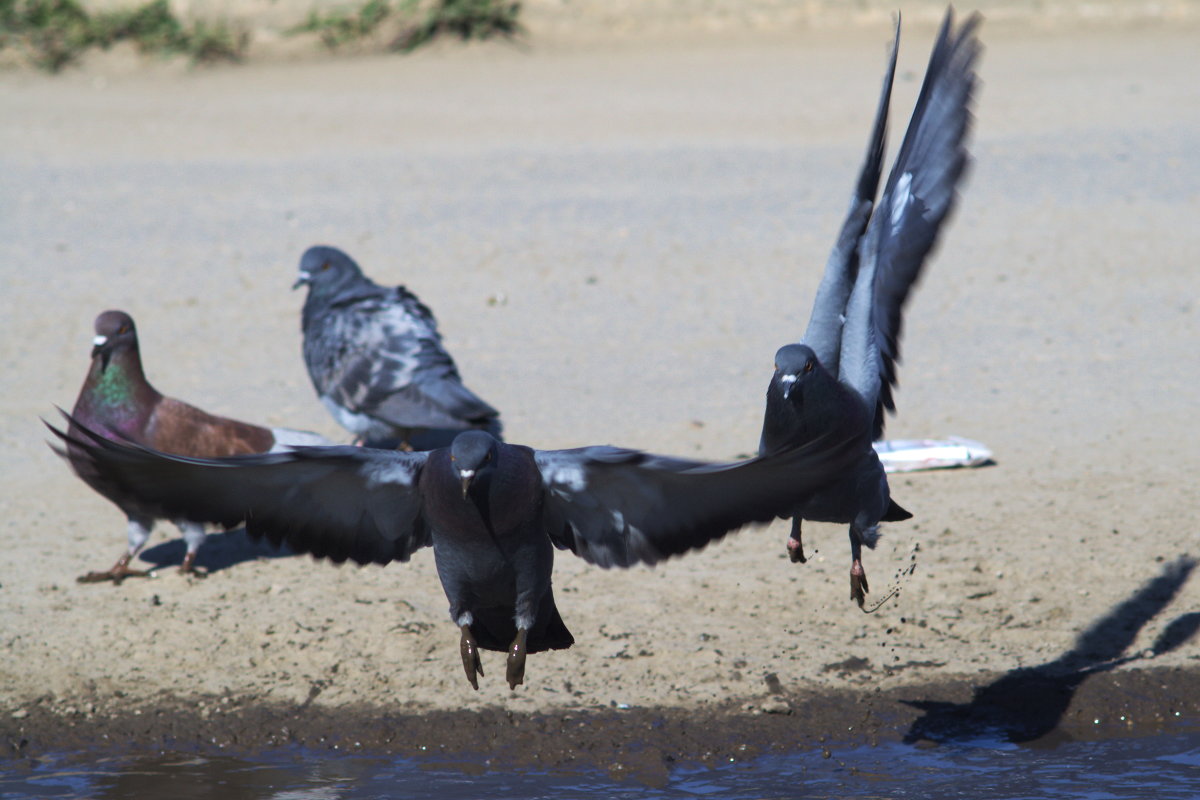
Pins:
<point x="219" y="551"/>
<point x="1028" y="703"/>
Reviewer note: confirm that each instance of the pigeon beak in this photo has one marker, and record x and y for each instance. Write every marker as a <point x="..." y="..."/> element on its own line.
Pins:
<point x="466" y="476"/>
<point x="100" y="347"/>
<point x="302" y="280"/>
<point x="789" y="383"/>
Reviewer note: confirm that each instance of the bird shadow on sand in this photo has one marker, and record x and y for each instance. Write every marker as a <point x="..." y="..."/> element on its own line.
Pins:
<point x="1028" y="703"/>
<point x="220" y="551"/>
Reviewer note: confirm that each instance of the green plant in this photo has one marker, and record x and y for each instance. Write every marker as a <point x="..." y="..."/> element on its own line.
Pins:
<point x="152" y="26"/>
<point x="466" y="19"/>
<point x="339" y="27"/>
<point x="217" y="41"/>
<point x="53" y="33"/>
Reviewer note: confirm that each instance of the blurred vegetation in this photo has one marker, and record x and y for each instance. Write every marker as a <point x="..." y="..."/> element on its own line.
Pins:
<point x="53" y="33"/>
<point x="418" y="22"/>
<point x="466" y="19"/>
<point x="337" y="28"/>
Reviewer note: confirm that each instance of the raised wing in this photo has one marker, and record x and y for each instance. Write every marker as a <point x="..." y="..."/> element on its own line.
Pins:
<point x="824" y="332"/>
<point x="333" y="502"/>
<point x="616" y="507"/>
<point x="919" y="194"/>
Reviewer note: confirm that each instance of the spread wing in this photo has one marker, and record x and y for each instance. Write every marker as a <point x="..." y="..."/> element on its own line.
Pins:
<point x="919" y="194"/>
<point x="333" y="502"/>
<point x="616" y="507"/>
<point x="824" y="332"/>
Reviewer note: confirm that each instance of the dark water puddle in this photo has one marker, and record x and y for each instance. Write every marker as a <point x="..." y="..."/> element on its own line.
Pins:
<point x="1165" y="766"/>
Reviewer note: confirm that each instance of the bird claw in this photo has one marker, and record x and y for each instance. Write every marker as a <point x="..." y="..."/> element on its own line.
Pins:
<point x="858" y="583"/>
<point x="119" y="572"/>
<point x="795" y="542"/>
<point x="470" y="657"/>
<point x="516" y="660"/>
<point x="795" y="550"/>
<point x="188" y="567"/>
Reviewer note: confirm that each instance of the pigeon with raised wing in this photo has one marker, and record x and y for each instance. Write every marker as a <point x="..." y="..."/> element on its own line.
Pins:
<point x="839" y="379"/>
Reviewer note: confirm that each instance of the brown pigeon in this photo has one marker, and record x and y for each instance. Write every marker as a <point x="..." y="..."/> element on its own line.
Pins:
<point x="118" y="402"/>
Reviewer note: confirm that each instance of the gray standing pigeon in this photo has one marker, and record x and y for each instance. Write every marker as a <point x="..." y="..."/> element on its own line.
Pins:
<point x="118" y="402"/>
<point x="492" y="512"/>
<point x="376" y="358"/>
<point x="839" y="379"/>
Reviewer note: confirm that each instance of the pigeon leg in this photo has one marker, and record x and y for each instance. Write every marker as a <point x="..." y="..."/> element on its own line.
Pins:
<point x="119" y="572"/>
<point x="795" y="545"/>
<point x="193" y="535"/>
<point x="470" y="656"/>
<point x="516" y="659"/>
<point x="137" y="532"/>
<point x="858" y="575"/>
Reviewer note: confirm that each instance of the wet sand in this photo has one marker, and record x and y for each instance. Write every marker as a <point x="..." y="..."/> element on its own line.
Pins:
<point x="645" y="743"/>
<point x="615" y="240"/>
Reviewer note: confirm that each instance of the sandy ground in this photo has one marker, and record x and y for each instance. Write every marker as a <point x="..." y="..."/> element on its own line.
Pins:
<point x="615" y="240"/>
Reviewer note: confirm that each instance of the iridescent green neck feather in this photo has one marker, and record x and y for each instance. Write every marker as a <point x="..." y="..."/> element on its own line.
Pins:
<point x="117" y="395"/>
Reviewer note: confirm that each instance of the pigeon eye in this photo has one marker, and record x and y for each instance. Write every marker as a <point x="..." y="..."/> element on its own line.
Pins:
<point x="124" y="329"/>
<point x="808" y="366"/>
<point x="325" y="266"/>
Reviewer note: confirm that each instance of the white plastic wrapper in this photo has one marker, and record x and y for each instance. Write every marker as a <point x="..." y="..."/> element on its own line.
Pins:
<point x="910" y="455"/>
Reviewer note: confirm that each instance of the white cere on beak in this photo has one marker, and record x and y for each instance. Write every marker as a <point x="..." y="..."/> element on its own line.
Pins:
<point x="304" y="276"/>
<point x="466" y="474"/>
<point x="788" y="378"/>
<point x="99" y="341"/>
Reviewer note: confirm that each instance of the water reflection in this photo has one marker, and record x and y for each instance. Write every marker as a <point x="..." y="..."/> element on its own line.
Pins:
<point x="1028" y="703"/>
<point x="1164" y="767"/>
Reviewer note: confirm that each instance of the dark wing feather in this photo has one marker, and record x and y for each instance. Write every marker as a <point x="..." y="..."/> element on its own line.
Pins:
<point x="333" y="502"/>
<point x="615" y="507"/>
<point x="395" y="368"/>
<point x="921" y="189"/>
<point x="823" y="334"/>
<point x="437" y="384"/>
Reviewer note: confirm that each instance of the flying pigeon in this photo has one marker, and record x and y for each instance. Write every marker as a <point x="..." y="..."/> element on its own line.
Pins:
<point x="492" y="512"/>
<point x="376" y="358"/>
<point x="838" y="380"/>
<point x="118" y="402"/>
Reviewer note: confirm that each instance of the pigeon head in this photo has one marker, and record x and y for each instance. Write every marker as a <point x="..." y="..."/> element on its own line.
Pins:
<point x="325" y="270"/>
<point x="473" y="454"/>
<point x="794" y="364"/>
<point x="114" y="333"/>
